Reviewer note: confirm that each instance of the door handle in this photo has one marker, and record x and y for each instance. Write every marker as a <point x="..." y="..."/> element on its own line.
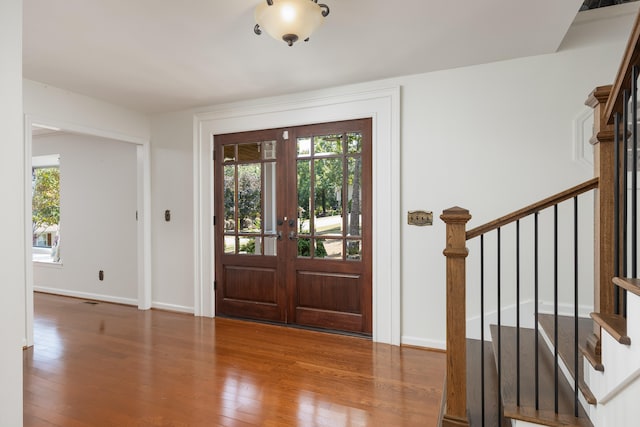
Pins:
<point x="293" y="235"/>
<point x="279" y="235"/>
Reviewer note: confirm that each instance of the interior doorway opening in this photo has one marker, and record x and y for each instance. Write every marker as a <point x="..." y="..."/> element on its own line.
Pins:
<point x="134" y="152"/>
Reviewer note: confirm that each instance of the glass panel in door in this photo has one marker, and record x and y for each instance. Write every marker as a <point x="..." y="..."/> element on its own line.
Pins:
<point x="329" y="196"/>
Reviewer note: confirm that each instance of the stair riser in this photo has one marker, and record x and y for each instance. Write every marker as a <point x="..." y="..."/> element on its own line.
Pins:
<point x="618" y="387"/>
<point x="618" y="411"/>
<point x="633" y="316"/>
<point x="620" y="360"/>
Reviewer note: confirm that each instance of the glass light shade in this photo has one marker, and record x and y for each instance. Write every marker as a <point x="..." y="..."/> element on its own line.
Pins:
<point x="289" y="17"/>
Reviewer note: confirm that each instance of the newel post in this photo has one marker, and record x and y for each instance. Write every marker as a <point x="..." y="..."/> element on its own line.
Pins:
<point x="456" y="252"/>
<point x="604" y="216"/>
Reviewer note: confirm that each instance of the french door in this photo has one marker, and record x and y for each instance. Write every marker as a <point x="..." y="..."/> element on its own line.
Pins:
<point x="293" y="225"/>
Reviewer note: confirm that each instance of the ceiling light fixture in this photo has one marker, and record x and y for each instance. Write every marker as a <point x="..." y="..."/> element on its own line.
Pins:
<point x="290" y="20"/>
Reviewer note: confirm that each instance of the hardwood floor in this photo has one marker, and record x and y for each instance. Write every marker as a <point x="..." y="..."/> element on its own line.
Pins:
<point x="110" y="365"/>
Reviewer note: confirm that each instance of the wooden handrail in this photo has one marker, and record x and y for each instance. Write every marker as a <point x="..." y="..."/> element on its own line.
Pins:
<point x="623" y="78"/>
<point x="536" y="207"/>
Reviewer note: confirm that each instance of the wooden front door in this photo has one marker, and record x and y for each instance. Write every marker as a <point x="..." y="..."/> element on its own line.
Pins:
<point x="293" y="225"/>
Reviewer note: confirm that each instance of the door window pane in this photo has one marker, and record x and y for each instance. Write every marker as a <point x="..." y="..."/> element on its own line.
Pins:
<point x="271" y="245"/>
<point x="354" y="210"/>
<point x="229" y="244"/>
<point x="249" y="152"/>
<point x="304" y="193"/>
<point x="327" y="145"/>
<point x="269" y="150"/>
<point x="304" y="247"/>
<point x="270" y="191"/>
<point x="304" y="147"/>
<point x="328" y="196"/>
<point x="249" y="197"/>
<point x="354" y="250"/>
<point x="229" y="197"/>
<point x="330" y="248"/>
<point x="229" y="153"/>
<point x="250" y="245"/>
<point x="354" y="142"/>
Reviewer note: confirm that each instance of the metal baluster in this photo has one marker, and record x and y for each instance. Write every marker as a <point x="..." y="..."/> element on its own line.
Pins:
<point x="616" y="209"/>
<point x="575" y="305"/>
<point x="518" y="311"/>
<point x="499" y="332"/>
<point x="634" y="183"/>
<point x="625" y="185"/>
<point x="537" y="378"/>
<point x="555" y="305"/>
<point x="482" y="325"/>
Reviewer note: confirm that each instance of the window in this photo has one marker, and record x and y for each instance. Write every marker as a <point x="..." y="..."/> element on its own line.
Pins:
<point x="45" y="202"/>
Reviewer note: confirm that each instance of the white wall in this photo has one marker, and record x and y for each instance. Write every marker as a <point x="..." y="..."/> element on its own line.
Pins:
<point x="490" y="138"/>
<point x="493" y="138"/>
<point x="12" y="250"/>
<point x="98" y="202"/>
<point x="48" y="103"/>
<point x="172" y="188"/>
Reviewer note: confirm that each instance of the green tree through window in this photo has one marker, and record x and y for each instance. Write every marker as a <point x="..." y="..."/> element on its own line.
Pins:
<point x="45" y="200"/>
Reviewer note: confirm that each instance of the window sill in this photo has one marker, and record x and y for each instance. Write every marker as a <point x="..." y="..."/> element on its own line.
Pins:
<point x="48" y="264"/>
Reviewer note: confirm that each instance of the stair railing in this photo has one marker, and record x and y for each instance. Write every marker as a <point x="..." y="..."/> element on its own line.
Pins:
<point x="621" y="113"/>
<point x="456" y="413"/>
<point x="615" y="144"/>
<point x="615" y="141"/>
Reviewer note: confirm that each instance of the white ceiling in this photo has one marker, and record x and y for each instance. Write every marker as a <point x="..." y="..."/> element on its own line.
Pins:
<point x="166" y="55"/>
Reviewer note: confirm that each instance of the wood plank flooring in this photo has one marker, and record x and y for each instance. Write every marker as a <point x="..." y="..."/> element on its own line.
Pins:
<point x="110" y="365"/>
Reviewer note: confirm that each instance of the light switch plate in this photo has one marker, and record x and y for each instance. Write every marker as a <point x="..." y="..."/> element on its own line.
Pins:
<point x="420" y="218"/>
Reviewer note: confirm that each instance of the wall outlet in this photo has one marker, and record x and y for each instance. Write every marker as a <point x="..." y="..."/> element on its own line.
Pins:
<point x="420" y="218"/>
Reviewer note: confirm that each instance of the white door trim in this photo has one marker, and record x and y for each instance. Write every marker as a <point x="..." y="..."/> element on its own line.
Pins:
<point x="143" y="153"/>
<point x="383" y="106"/>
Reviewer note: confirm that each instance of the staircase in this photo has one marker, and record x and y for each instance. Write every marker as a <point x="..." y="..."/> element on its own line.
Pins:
<point x="525" y="353"/>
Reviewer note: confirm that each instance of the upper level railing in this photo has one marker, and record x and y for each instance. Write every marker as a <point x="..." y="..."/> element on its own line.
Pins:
<point x="620" y="118"/>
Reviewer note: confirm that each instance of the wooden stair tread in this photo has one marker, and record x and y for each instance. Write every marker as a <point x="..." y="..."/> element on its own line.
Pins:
<point x="541" y="417"/>
<point x="545" y="415"/>
<point x="631" y="285"/>
<point x="615" y="325"/>
<point x="474" y="385"/>
<point x="566" y="336"/>
<point x="594" y="359"/>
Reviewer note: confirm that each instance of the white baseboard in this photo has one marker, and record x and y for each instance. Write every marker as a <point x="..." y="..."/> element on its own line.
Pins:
<point x="86" y="295"/>
<point x="172" y="307"/>
<point x="421" y="342"/>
